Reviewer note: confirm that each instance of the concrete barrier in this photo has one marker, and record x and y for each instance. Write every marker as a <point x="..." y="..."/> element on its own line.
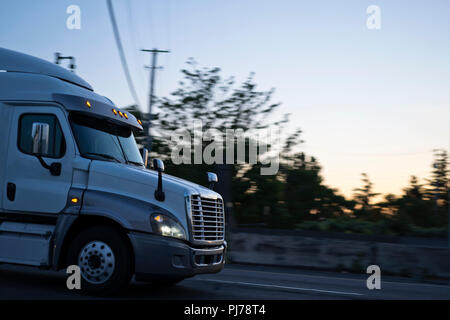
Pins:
<point x="338" y="254"/>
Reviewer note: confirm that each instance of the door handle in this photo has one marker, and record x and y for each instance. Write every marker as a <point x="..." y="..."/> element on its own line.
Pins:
<point x="11" y="191"/>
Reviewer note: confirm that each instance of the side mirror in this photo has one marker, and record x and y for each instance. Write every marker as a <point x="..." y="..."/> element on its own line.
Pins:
<point x="145" y="156"/>
<point x="212" y="179"/>
<point x="158" y="165"/>
<point x="40" y="137"/>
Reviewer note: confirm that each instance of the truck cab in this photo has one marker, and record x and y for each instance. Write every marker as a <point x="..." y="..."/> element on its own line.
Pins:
<point x="75" y="189"/>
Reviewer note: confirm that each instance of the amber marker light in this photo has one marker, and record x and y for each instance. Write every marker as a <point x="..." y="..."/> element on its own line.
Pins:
<point x="140" y="122"/>
<point x="126" y="116"/>
<point x="74" y="200"/>
<point x="88" y="103"/>
<point x="114" y="111"/>
<point x="121" y="114"/>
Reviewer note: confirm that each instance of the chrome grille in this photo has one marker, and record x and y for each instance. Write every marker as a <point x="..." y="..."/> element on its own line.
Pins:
<point x="208" y="222"/>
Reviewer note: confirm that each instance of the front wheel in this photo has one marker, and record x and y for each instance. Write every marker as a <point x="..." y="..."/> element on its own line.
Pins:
<point x="104" y="259"/>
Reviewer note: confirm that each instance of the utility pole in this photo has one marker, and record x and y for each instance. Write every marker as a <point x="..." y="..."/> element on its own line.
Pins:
<point x="153" y="67"/>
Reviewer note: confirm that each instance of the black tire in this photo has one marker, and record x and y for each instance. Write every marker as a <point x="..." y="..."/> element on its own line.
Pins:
<point x="122" y="271"/>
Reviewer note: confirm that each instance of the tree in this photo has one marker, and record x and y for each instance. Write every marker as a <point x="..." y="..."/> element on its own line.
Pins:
<point x="221" y="104"/>
<point x="305" y="195"/>
<point x="297" y="193"/>
<point x="363" y="197"/>
<point x="414" y="208"/>
<point x="259" y="199"/>
<point x="415" y="190"/>
<point x="438" y="186"/>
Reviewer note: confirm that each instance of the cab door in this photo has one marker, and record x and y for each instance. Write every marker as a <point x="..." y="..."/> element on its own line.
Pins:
<point x="38" y="179"/>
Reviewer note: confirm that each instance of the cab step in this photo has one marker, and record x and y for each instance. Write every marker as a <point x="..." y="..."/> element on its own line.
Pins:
<point x="25" y="243"/>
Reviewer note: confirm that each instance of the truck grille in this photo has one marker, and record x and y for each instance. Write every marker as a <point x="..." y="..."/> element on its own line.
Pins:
<point x="208" y="222"/>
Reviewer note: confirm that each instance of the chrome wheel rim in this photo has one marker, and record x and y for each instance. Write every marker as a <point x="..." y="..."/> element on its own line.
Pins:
<point x="97" y="262"/>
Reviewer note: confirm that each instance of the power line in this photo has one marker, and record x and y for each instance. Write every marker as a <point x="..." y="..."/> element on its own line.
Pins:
<point x="121" y="52"/>
<point x="135" y="36"/>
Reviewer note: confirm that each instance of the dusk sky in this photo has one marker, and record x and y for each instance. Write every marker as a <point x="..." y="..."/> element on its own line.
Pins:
<point x="374" y="101"/>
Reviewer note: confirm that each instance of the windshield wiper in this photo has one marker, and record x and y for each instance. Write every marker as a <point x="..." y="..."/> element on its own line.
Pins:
<point x="103" y="155"/>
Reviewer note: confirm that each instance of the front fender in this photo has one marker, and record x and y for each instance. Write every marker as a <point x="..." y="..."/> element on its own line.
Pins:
<point x="130" y="213"/>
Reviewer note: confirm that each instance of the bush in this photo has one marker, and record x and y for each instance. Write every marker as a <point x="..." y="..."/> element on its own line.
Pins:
<point x="437" y="232"/>
<point x="387" y="226"/>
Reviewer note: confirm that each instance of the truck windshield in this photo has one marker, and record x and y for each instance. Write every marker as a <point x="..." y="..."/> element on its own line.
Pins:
<point x="102" y="140"/>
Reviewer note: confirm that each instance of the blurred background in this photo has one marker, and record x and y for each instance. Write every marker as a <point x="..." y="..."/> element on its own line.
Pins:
<point x="363" y="113"/>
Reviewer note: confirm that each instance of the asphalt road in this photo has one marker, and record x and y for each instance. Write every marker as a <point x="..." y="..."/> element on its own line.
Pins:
<point x="234" y="282"/>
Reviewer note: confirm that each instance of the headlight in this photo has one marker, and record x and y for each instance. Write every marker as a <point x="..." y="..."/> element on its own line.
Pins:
<point x="168" y="227"/>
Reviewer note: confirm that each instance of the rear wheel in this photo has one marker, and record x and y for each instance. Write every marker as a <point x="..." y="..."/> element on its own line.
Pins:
<point x="104" y="259"/>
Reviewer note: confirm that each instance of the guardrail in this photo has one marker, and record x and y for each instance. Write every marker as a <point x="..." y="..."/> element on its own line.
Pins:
<point x="328" y="251"/>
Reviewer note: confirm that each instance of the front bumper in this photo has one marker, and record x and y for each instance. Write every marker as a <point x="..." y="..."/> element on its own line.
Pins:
<point x="159" y="258"/>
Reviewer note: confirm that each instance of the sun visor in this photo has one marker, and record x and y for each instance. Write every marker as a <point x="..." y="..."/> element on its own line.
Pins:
<point x="98" y="109"/>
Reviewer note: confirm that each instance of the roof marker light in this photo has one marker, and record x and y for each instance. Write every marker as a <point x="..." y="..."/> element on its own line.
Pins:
<point x="88" y="103"/>
<point x="126" y="116"/>
<point x="114" y="111"/>
<point x="140" y="122"/>
<point x="121" y="114"/>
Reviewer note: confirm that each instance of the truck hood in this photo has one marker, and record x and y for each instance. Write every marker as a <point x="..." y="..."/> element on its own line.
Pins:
<point x="139" y="183"/>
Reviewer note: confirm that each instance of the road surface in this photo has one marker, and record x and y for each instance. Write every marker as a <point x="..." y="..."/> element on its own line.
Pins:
<point x="234" y="282"/>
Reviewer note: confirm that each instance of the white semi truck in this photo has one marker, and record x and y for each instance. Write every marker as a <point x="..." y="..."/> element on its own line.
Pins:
<point x="75" y="190"/>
